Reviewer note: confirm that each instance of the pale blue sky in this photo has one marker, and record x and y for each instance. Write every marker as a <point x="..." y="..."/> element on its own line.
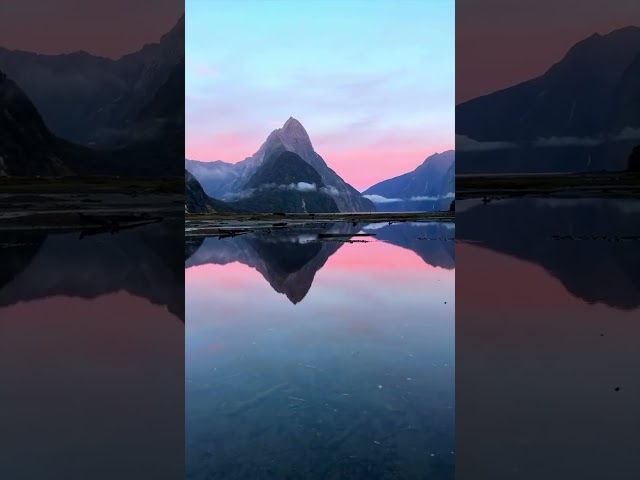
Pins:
<point x="372" y="81"/>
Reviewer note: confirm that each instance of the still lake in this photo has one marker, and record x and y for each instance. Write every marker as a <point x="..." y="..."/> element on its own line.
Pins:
<point x="547" y="329"/>
<point x="92" y="353"/>
<point x="309" y="358"/>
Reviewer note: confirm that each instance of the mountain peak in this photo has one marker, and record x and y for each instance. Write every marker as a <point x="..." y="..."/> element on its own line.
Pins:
<point x="293" y="137"/>
<point x="445" y="156"/>
<point x="293" y="125"/>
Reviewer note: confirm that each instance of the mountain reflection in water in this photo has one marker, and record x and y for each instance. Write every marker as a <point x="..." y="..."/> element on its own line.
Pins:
<point x="92" y="354"/>
<point x="340" y="365"/>
<point x="289" y="260"/>
<point x="547" y="328"/>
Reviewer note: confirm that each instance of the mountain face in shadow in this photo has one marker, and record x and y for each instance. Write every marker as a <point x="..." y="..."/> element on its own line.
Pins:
<point x="197" y="201"/>
<point x="574" y="117"/>
<point x="28" y="147"/>
<point x="634" y="159"/>
<point x="432" y="242"/>
<point x="153" y="143"/>
<point x="626" y="101"/>
<point x="91" y="100"/>
<point x="140" y="261"/>
<point x="288" y="261"/>
<point x="226" y="181"/>
<point x="157" y="130"/>
<point x="284" y="167"/>
<point x="595" y="270"/>
<point x="286" y="183"/>
<point x="419" y="190"/>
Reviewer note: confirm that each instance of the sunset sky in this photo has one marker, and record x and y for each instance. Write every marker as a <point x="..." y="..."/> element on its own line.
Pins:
<point x="500" y="43"/>
<point x="372" y="82"/>
<point x="109" y="29"/>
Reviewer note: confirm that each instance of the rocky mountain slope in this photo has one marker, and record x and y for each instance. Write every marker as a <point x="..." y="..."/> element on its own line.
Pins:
<point x="429" y="187"/>
<point x="284" y="182"/>
<point x="196" y="200"/>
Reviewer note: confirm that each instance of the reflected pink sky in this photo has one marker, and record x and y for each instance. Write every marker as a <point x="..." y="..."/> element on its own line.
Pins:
<point x="109" y="29"/>
<point x="355" y="269"/>
<point x="117" y="324"/>
<point x="363" y="293"/>
<point x="514" y="285"/>
<point x="537" y="368"/>
<point x="500" y="43"/>
<point x="84" y="377"/>
<point x="374" y="258"/>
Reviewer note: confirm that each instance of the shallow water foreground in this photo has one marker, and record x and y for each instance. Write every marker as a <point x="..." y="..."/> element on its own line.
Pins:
<point x="309" y="357"/>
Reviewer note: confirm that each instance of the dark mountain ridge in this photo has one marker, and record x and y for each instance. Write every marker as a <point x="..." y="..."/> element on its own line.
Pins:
<point x="580" y="115"/>
<point x="88" y="99"/>
<point x="571" y="99"/>
<point x="28" y="147"/>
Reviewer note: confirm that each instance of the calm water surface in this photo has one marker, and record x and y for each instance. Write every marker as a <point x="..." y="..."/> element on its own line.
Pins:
<point x="92" y="354"/>
<point x="547" y="335"/>
<point x="321" y="360"/>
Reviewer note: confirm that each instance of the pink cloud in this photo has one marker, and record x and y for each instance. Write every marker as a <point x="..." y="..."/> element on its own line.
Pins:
<point x="228" y="146"/>
<point x="204" y="70"/>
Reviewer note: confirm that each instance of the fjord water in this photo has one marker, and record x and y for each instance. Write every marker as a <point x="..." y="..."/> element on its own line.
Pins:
<point x="310" y="358"/>
<point x="92" y="354"/>
<point x="547" y="328"/>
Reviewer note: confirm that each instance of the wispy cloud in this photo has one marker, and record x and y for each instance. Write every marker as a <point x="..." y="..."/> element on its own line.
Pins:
<point x="568" y="142"/>
<point x="628" y="133"/>
<point x="202" y="70"/>
<point x="467" y="144"/>
<point x="381" y="199"/>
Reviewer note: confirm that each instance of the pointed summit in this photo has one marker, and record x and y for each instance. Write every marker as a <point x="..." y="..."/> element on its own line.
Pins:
<point x="294" y="135"/>
<point x="292" y="124"/>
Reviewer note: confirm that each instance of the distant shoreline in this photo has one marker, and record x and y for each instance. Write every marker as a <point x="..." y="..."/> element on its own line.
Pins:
<point x="565" y="185"/>
<point x="232" y="224"/>
<point x="324" y="217"/>
<point x="91" y="184"/>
